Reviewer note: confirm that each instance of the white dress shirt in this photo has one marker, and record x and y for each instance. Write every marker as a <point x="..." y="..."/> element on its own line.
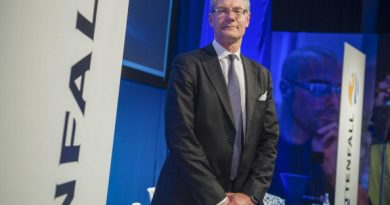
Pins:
<point x="223" y="56"/>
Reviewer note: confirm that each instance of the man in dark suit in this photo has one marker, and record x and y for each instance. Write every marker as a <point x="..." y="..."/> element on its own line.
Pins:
<point x="221" y="125"/>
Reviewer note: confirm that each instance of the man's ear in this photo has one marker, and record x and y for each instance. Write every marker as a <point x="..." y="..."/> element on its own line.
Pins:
<point x="211" y="19"/>
<point x="248" y="20"/>
<point x="285" y="89"/>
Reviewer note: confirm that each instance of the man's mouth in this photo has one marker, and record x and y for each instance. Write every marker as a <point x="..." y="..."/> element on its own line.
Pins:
<point x="228" y="27"/>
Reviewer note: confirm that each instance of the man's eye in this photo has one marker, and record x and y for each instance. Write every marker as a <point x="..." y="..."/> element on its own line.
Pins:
<point x="221" y="11"/>
<point x="319" y="88"/>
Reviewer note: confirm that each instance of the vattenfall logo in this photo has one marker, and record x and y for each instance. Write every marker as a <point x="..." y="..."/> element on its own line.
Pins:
<point x="353" y="89"/>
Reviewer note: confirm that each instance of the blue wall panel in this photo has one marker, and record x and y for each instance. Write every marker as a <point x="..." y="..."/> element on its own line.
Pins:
<point x="139" y="145"/>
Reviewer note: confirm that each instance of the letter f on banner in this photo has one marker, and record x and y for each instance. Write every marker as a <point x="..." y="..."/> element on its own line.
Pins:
<point x="69" y="153"/>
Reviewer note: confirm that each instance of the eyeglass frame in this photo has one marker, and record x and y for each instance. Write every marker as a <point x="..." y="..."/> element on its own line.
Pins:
<point x="221" y="11"/>
<point x="328" y="89"/>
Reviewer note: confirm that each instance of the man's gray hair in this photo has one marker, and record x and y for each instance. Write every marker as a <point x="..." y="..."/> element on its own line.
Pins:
<point x="213" y="3"/>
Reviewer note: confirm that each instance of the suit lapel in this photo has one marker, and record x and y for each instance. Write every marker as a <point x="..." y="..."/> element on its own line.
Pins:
<point x="251" y="92"/>
<point x="214" y="72"/>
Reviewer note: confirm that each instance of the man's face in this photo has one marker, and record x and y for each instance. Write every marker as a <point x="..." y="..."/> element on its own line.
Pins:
<point x="313" y="110"/>
<point x="229" y="27"/>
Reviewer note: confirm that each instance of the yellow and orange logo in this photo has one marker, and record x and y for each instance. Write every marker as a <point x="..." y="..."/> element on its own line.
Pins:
<point x="353" y="89"/>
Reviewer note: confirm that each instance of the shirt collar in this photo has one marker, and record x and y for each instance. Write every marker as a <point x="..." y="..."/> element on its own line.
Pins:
<point x="222" y="52"/>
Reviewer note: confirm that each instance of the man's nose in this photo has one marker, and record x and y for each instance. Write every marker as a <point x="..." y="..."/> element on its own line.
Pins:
<point x="333" y="100"/>
<point x="231" y="15"/>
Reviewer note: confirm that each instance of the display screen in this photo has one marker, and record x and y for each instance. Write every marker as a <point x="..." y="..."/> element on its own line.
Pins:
<point x="147" y="39"/>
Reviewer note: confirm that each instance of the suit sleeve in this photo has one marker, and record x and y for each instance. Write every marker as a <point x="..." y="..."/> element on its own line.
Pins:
<point x="262" y="167"/>
<point x="187" y="152"/>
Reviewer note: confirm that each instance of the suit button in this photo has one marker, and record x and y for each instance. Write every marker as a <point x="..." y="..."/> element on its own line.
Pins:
<point x="230" y="140"/>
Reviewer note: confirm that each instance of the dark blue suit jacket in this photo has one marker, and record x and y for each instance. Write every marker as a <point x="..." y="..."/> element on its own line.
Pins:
<point x="200" y="132"/>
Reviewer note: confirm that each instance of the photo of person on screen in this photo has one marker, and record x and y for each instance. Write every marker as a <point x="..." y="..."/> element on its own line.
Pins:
<point x="310" y="88"/>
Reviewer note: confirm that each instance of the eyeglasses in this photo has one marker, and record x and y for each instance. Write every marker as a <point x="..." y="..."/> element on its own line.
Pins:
<point x="317" y="89"/>
<point x="238" y="12"/>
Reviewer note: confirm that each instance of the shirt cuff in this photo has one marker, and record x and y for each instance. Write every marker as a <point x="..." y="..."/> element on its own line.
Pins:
<point x="223" y="201"/>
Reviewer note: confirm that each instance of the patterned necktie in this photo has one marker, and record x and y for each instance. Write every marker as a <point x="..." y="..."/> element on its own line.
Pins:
<point x="235" y="100"/>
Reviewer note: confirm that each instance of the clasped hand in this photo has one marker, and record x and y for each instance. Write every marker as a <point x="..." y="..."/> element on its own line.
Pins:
<point x="238" y="199"/>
